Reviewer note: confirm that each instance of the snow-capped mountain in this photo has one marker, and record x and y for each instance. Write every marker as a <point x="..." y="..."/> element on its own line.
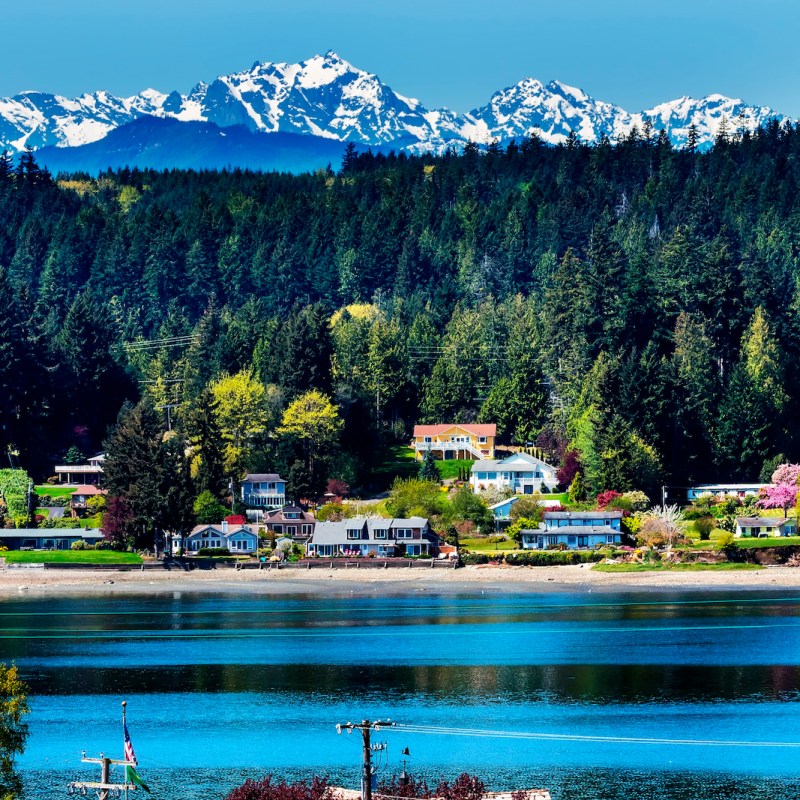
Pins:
<point x="325" y="96"/>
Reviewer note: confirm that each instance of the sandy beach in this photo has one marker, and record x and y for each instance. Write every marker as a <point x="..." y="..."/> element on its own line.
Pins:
<point x="577" y="578"/>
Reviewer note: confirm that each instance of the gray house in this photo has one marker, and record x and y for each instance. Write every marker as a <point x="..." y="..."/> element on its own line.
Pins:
<point x="47" y="538"/>
<point x="574" y="530"/>
<point x="383" y="537"/>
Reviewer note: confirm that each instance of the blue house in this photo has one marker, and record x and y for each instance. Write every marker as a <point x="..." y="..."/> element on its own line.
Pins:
<point x="575" y="530"/>
<point x="238" y="539"/>
<point x="263" y="491"/>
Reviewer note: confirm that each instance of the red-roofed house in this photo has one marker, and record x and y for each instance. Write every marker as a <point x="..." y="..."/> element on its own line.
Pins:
<point x="77" y="500"/>
<point x="450" y="441"/>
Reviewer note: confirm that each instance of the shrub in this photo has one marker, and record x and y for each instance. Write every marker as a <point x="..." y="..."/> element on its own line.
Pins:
<point x="548" y="558"/>
<point x="79" y="545"/>
<point x="267" y="789"/>
<point x="474" y="558"/>
<point x="727" y="541"/>
<point x="704" y="526"/>
<point x="104" y="544"/>
<point x="606" y="498"/>
<point x="213" y="551"/>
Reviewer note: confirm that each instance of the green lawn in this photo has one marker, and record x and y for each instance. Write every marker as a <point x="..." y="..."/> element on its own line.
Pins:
<point x="487" y="547"/>
<point x="398" y="462"/>
<point x="774" y="542"/>
<point x="70" y="557"/>
<point x="449" y="469"/>
<point x="724" y="566"/>
<point x="54" y="491"/>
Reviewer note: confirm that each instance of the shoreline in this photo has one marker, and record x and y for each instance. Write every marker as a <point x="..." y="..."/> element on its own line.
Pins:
<point x="495" y="579"/>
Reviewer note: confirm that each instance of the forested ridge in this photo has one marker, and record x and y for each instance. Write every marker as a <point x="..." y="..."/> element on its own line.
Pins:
<point x="632" y="302"/>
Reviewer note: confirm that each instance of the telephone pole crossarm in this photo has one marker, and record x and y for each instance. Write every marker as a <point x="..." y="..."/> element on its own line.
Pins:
<point x="366" y="727"/>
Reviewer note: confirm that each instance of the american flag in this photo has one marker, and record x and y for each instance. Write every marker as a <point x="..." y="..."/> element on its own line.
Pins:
<point x="129" y="754"/>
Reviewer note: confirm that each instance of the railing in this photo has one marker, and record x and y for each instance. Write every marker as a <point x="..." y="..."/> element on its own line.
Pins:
<point x="78" y="468"/>
<point x="265" y="500"/>
<point x="448" y="445"/>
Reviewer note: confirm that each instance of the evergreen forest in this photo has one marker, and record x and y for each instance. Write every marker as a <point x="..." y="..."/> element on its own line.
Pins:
<point x="632" y="309"/>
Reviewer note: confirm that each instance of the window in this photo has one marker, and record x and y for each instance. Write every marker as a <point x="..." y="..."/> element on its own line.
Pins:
<point x="572" y="540"/>
<point x="405" y="533"/>
<point x="306" y="529"/>
<point x="353" y="533"/>
<point x="552" y="540"/>
<point x="380" y="534"/>
<point x="481" y="440"/>
<point x="427" y="440"/>
<point x="610" y="538"/>
<point x="482" y="476"/>
<point x="205" y="534"/>
<point x="492" y="475"/>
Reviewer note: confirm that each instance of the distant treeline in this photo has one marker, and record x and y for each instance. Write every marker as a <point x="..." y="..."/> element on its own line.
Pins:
<point x="633" y="302"/>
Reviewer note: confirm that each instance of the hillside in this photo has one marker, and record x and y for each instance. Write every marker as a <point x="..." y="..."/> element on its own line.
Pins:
<point x="636" y="303"/>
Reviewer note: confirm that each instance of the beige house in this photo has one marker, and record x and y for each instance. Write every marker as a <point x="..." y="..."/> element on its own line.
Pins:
<point x="451" y="441"/>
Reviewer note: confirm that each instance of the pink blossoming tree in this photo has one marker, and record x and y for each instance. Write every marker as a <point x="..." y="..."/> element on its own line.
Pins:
<point x="779" y="495"/>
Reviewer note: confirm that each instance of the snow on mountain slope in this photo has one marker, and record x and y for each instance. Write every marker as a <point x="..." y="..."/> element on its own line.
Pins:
<point x="328" y="97"/>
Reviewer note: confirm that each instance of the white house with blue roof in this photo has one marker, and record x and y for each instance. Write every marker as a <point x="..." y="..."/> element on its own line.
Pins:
<point x="522" y="473"/>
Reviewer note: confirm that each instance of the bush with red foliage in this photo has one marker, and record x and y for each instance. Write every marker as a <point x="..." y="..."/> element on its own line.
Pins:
<point x="338" y="488"/>
<point x="269" y="789"/>
<point x="464" y="787"/>
<point x="570" y="468"/>
<point x="606" y="498"/>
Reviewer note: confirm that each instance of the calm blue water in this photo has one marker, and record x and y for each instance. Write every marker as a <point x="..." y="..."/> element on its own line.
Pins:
<point x="221" y="688"/>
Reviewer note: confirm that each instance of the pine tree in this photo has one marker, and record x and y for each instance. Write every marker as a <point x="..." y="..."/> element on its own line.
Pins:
<point x="428" y="471"/>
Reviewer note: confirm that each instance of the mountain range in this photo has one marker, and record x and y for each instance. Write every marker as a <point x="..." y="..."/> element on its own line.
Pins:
<point x="327" y="98"/>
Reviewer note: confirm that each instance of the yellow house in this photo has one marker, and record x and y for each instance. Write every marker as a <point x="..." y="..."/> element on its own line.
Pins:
<point x="450" y="441"/>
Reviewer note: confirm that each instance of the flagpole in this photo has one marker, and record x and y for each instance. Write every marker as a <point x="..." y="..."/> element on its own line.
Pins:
<point x="124" y="706"/>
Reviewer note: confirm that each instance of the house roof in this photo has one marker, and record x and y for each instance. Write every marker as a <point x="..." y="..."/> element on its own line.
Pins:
<point x="760" y="522"/>
<point x="475" y="430"/>
<point x="278" y="515"/>
<point x="50" y="533"/>
<point x="524" y="461"/>
<point x="710" y="487"/>
<point x="258" y="477"/>
<point x="336" y="532"/>
<point x="410" y="522"/>
<point x="607" y="514"/>
<point x="87" y="488"/>
<point x="217" y="529"/>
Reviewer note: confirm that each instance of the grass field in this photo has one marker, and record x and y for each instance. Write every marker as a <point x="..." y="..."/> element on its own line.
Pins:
<point x="399" y="462"/>
<point x="70" y="557"/>
<point x="54" y="491"/>
<point x="723" y="567"/>
<point x="487" y="547"/>
<point x="450" y="469"/>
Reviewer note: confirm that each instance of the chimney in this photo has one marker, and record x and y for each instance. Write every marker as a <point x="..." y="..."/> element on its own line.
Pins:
<point x="224" y="526"/>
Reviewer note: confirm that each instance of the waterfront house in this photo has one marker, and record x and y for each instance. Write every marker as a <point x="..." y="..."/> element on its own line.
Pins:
<point x="291" y="521"/>
<point x="238" y="539"/>
<point x="502" y="511"/>
<point x="382" y="537"/>
<point x="522" y="473"/>
<point x="451" y="441"/>
<point x="262" y="491"/>
<point x="90" y="473"/>
<point x="763" y="527"/>
<point x="575" y="530"/>
<point x="47" y="538"/>
<point x="740" y="490"/>
<point x="79" y="498"/>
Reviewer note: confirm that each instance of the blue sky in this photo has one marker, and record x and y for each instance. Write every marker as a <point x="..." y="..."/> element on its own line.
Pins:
<point x="444" y="52"/>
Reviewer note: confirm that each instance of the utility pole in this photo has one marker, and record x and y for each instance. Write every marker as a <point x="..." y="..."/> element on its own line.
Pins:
<point x="104" y="786"/>
<point x="366" y="727"/>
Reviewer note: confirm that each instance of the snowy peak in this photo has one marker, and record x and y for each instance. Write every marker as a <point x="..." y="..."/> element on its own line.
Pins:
<point x="327" y="96"/>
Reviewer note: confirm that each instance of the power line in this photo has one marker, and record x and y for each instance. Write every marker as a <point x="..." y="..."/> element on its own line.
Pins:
<point x="573" y="737"/>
